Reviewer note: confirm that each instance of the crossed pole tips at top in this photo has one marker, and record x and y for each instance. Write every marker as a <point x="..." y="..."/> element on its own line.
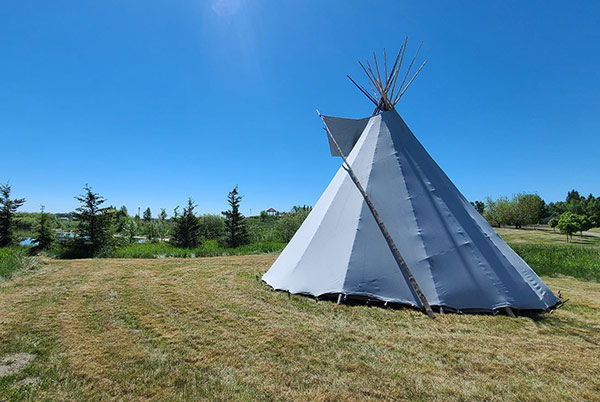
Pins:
<point x="385" y="93"/>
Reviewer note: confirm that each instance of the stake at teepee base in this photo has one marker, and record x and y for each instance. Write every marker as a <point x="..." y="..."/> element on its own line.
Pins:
<point x="398" y="257"/>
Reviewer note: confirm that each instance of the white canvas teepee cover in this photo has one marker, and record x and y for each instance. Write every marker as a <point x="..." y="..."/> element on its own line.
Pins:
<point x="457" y="259"/>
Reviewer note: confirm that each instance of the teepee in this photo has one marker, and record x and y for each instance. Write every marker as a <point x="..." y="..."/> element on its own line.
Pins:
<point x="392" y="227"/>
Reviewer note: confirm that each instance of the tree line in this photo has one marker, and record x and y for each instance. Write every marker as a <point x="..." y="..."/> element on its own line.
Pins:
<point x="575" y="214"/>
<point x="100" y="228"/>
<point x="95" y="229"/>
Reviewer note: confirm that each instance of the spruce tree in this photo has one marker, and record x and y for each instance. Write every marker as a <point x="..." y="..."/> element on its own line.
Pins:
<point x="147" y="215"/>
<point x="93" y="228"/>
<point x="186" y="230"/>
<point x="235" y="222"/>
<point x="8" y="207"/>
<point x="44" y="237"/>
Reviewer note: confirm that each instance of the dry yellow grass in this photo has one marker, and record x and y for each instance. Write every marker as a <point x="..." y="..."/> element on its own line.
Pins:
<point x="207" y="329"/>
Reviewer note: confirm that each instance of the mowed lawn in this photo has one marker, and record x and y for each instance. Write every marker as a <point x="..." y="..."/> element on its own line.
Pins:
<point x="546" y="237"/>
<point x="208" y="329"/>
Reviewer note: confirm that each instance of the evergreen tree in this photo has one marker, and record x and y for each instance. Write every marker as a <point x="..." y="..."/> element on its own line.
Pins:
<point x="235" y="222"/>
<point x="93" y="228"/>
<point x="147" y="215"/>
<point x="479" y="206"/>
<point x="8" y="207"/>
<point x="186" y="231"/>
<point x="44" y="236"/>
<point x="573" y="195"/>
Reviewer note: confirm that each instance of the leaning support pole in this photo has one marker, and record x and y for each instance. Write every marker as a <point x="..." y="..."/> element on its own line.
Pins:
<point x="401" y="263"/>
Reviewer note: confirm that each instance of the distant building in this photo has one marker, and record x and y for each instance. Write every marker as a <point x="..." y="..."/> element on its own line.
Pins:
<point x="272" y="211"/>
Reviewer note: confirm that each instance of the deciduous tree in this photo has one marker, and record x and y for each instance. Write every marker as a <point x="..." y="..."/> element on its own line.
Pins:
<point x="568" y="223"/>
<point x="212" y="227"/>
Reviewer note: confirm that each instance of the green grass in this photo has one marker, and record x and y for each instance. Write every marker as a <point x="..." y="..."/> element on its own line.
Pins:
<point x="553" y="259"/>
<point x="548" y="252"/>
<point x="545" y="237"/>
<point x="207" y="329"/>
<point x="14" y="260"/>
<point x="209" y="248"/>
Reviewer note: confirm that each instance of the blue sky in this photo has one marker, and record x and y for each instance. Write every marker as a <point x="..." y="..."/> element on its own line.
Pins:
<point x="153" y="102"/>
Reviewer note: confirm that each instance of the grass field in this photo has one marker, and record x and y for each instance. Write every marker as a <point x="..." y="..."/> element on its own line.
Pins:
<point x="206" y="328"/>
<point x="173" y="329"/>
<point x="548" y="253"/>
<point x="513" y="236"/>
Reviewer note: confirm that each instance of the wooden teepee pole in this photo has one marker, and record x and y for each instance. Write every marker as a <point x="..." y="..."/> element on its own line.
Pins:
<point x="401" y="263"/>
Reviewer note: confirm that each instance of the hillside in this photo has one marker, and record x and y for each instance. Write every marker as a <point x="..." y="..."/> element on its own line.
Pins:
<point x="167" y="329"/>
